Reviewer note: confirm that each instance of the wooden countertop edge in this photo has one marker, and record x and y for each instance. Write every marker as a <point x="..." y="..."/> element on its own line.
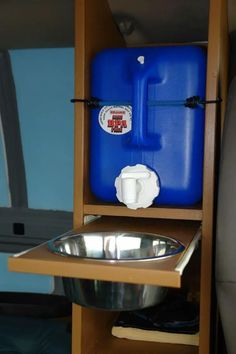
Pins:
<point x="165" y="213"/>
<point x="55" y="265"/>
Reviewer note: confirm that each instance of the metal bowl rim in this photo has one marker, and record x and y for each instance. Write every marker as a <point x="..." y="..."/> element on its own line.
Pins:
<point x="53" y="248"/>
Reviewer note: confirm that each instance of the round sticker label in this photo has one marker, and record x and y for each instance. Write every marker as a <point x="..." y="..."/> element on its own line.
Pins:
<point x="115" y="119"/>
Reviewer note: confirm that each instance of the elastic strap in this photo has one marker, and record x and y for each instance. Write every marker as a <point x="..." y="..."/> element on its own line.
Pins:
<point x="190" y="102"/>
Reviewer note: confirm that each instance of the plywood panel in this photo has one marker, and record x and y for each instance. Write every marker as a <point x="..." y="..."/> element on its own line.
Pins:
<point x="161" y="272"/>
<point x="94" y="31"/>
<point x="217" y="31"/>
<point x="118" y="346"/>
<point x="153" y="212"/>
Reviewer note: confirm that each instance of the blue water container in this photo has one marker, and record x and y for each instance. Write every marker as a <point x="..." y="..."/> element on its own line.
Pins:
<point x="141" y="119"/>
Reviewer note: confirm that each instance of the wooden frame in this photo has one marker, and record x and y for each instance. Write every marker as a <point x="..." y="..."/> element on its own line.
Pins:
<point x="91" y="329"/>
<point x="217" y="64"/>
<point x="216" y="72"/>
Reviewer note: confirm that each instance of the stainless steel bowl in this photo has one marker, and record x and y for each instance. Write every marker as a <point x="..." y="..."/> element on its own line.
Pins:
<point x="114" y="247"/>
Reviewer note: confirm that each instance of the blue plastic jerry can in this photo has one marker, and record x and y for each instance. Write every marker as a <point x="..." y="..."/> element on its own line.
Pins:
<point x="142" y="119"/>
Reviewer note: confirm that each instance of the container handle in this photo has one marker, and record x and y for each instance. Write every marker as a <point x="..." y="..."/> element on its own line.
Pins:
<point x="139" y="136"/>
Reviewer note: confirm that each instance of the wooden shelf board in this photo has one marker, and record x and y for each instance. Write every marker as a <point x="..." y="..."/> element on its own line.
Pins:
<point x="117" y="346"/>
<point x="194" y="213"/>
<point x="40" y="260"/>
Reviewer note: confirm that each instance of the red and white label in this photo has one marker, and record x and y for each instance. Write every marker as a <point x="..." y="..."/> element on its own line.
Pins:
<point x="115" y="119"/>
